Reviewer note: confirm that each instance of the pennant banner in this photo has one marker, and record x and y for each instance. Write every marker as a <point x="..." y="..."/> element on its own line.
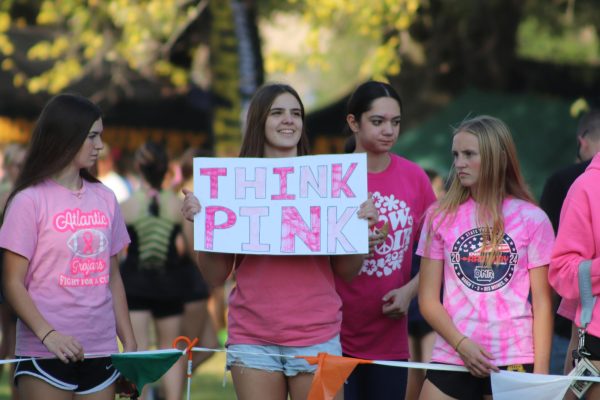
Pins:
<point x="144" y="367"/>
<point x="148" y="366"/>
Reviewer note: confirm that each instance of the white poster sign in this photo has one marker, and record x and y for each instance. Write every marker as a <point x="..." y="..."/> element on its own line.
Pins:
<point x="281" y="206"/>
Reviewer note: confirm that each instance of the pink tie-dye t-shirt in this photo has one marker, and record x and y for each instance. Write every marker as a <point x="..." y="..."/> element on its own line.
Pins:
<point x="490" y="305"/>
<point x="68" y="238"/>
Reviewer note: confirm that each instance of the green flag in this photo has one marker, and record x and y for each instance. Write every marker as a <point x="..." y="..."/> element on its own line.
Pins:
<point x="143" y="367"/>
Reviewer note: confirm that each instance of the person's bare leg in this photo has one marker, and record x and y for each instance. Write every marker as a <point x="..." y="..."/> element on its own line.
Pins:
<point x="167" y="330"/>
<point x="140" y="321"/>
<point x="415" y="376"/>
<point x="256" y="384"/>
<point x="194" y="325"/>
<point x="209" y="339"/>
<point x="105" y="394"/>
<point x="33" y="388"/>
<point x="431" y="392"/>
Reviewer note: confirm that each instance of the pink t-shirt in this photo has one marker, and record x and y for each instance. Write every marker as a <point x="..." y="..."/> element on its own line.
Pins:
<point x="402" y="193"/>
<point x="490" y="305"/>
<point x="68" y="238"/>
<point x="283" y="300"/>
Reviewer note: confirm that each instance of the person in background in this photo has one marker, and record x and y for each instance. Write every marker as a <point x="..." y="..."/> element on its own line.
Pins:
<point x="109" y="176"/>
<point x="578" y="245"/>
<point x="555" y="190"/>
<point x="61" y="233"/>
<point x="196" y="320"/>
<point x="488" y="245"/>
<point x="296" y="294"/>
<point x="154" y="268"/>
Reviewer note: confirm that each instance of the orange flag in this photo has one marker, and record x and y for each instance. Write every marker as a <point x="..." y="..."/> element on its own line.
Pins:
<point x="332" y="372"/>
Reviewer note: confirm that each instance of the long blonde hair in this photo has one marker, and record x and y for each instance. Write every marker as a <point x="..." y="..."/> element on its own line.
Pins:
<point x="499" y="177"/>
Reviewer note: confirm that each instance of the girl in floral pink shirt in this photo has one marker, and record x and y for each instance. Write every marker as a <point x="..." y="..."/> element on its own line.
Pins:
<point x="489" y="247"/>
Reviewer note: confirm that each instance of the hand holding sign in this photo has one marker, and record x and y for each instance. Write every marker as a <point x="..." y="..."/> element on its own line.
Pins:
<point x="191" y="205"/>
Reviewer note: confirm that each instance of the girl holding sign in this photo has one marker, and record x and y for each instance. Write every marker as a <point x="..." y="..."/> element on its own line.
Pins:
<point x="62" y="231"/>
<point x="375" y="303"/>
<point x="489" y="246"/>
<point x="281" y="304"/>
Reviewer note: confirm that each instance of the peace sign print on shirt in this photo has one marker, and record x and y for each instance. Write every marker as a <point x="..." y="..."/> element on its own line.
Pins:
<point x="388" y="256"/>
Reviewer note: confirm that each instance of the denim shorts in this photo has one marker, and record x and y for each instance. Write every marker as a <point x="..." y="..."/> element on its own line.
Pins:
<point x="275" y="358"/>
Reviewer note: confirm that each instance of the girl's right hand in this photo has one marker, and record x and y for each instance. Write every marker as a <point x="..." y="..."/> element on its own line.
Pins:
<point x="191" y="205"/>
<point x="476" y="358"/>
<point x="66" y="348"/>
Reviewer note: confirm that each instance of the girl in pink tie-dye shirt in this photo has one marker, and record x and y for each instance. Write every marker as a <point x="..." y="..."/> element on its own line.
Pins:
<point x="489" y="246"/>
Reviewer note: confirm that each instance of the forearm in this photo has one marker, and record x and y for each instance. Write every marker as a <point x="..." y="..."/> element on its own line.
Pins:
<point x="347" y="266"/>
<point x="24" y="307"/>
<point x="413" y="286"/>
<point x="121" y="310"/>
<point x="215" y="267"/>
<point x="542" y="340"/>
<point x="430" y="284"/>
<point x="436" y="315"/>
<point x="15" y="269"/>
<point x="541" y="298"/>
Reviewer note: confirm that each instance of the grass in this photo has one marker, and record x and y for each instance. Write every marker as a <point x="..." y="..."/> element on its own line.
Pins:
<point x="207" y="382"/>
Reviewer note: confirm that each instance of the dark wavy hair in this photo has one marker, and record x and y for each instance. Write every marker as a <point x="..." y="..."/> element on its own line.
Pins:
<point x="152" y="161"/>
<point x="361" y="100"/>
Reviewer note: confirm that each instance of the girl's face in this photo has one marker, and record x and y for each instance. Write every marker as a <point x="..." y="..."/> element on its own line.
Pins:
<point x="378" y="128"/>
<point x="88" y="153"/>
<point x="283" y="127"/>
<point x="467" y="159"/>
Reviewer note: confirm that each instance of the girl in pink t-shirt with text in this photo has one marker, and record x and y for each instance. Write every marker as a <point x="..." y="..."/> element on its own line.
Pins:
<point x="62" y="230"/>
<point x="488" y="245"/>
<point x="283" y="305"/>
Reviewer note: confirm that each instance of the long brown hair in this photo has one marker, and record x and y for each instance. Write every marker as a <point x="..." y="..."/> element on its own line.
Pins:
<point x="57" y="137"/>
<point x="253" y="144"/>
<point x="499" y="177"/>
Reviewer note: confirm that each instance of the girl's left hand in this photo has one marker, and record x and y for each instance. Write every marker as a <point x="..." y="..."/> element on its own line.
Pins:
<point x="369" y="212"/>
<point x="476" y="359"/>
<point x="396" y="303"/>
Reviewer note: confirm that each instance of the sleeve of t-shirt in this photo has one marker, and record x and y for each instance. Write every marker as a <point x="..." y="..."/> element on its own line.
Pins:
<point x="19" y="232"/>
<point x="539" y="251"/>
<point x="568" y="309"/>
<point x="427" y="196"/>
<point x="120" y="237"/>
<point x="434" y="247"/>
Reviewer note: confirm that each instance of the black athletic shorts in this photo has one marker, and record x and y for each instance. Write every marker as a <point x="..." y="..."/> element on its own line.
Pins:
<point x="82" y="377"/>
<point x="464" y="386"/>
<point x="160" y="308"/>
<point x="592" y="345"/>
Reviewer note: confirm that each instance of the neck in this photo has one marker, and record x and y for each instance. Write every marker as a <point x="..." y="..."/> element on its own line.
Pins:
<point x="473" y="191"/>
<point x="69" y="178"/>
<point x="377" y="162"/>
<point x="277" y="153"/>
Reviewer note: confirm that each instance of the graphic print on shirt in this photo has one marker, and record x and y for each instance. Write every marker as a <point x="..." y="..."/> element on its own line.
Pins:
<point x="467" y="258"/>
<point x="388" y="255"/>
<point x="87" y="243"/>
